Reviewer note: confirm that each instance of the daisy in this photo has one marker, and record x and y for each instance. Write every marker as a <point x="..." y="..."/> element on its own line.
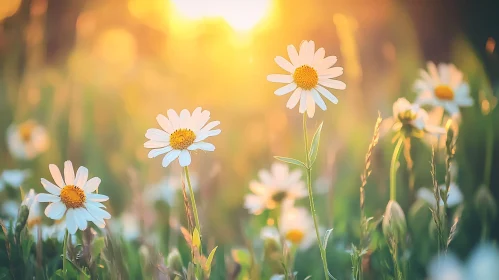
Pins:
<point x="167" y="189"/>
<point x="181" y="134"/>
<point x="14" y="178"/>
<point x="409" y="120"/>
<point x="279" y="186"/>
<point x="297" y="227"/>
<point x="72" y="197"/>
<point x="34" y="222"/>
<point x="27" y="140"/>
<point x="436" y="117"/>
<point x="455" y="196"/>
<point x="10" y="209"/>
<point x="309" y="75"/>
<point x="443" y="87"/>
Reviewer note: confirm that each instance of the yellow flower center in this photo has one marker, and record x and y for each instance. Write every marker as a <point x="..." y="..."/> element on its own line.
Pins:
<point x="25" y="131"/>
<point x="279" y="196"/>
<point x="305" y="77"/>
<point x="182" y="138"/>
<point x="73" y="196"/>
<point x="444" y="92"/>
<point x="295" y="236"/>
<point x="407" y="116"/>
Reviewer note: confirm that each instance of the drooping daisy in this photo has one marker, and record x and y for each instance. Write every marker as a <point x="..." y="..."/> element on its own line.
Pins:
<point x="409" y="120"/>
<point x="13" y="177"/>
<point x="309" y="75"/>
<point x="72" y="197"/>
<point x="297" y="227"/>
<point x="167" y="188"/>
<point x="27" y="140"/>
<point x="279" y="186"/>
<point x="455" y="196"/>
<point x="443" y="87"/>
<point x="34" y="223"/>
<point x="181" y="134"/>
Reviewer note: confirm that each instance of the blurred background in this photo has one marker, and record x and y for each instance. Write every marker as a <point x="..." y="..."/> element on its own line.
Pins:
<point x="96" y="73"/>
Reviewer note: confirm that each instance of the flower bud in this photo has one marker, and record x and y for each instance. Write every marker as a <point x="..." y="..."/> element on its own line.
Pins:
<point x="394" y="224"/>
<point x="174" y="261"/>
<point x="485" y="203"/>
<point x="22" y="218"/>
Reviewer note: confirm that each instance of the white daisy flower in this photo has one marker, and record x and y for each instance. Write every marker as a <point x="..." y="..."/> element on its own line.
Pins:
<point x="10" y="209"/>
<point x="310" y="74"/>
<point x="297" y="227"/>
<point x="27" y="140"/>
<point x="410" y="120"/>
<point x="34" y="223"/>
<point x="455" y="196"/>
<point x="13" y="177"/>
<point x="443" y="87"/>
<point x="72" y="197"/>
<point x="279" y="186"/>
<point x="167" y="188"/>
<point x="181" y="134"/>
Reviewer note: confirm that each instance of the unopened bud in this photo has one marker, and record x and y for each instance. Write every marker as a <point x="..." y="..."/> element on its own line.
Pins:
<point x="485" y="203"/>
<point x="449" y="143"/>
<point x="174" y="261"/>
<point x="394" y="224"/>
<point x="22" y="218"/>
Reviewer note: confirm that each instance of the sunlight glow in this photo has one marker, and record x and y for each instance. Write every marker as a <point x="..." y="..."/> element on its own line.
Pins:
<point x="240" y="15"/>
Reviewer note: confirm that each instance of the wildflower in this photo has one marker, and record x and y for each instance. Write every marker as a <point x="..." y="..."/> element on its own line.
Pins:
<point x="437" y="117"/>
<point x="13" y="177"/>
<point x="34" y="223"/>
<point x="297" y="227"/>
<point x="455" y="197"/>
<point x="279" y="186"/>
<point x="309" y="74"/>
<point x="443" y="88"/>
<point x="167" y="188"/>
<point x="394" y="224"/>
<point x="72" y="197"/>
<point x="410" y="120"/>
<point x="27" y="140"/>
<point x="181" y="134"/>
<point x="127" y="225"/>
<point x="10" y="209"/>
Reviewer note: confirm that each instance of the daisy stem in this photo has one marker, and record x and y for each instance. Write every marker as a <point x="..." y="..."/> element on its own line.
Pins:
<point x="64" y="255"/>
<point x="193" y="203"/>
<point x="311" y="198"/>
<point x="393" y="169"/>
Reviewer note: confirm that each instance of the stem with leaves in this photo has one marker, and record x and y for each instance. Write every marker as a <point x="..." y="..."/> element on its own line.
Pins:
<point x="393" y="169"/>
<point x="193" y="203"/>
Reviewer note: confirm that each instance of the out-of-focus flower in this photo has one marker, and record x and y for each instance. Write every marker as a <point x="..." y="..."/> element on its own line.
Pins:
<point x="57" y="230"/>
<point x="409" y="120"/>
<point x="10" y="209"/>
<point x="167" y="188"/>
<point x="297" y="227"/>
<point x="309" y="74"/>
<point x="72" y="197"/>
<point x="481" y="265"/>
<point x="394" y="224"/>
<point x="127" y="225"/>
<point x="279" y="186"/>
<point x="437" y="117"/>
<point x="27" y="140"/>
<point x="443" y="87"/>
<point x="181" y="134"/>
<point x="34" y="223"/>
<point x="14" y="178"/>
<point x="455" y="197"/>
<point x="322" y="184"/>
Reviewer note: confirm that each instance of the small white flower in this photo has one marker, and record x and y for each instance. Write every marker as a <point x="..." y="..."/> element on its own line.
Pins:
<point x="27" y="140"/>
<point x="279" y="186"/>
<point x="181" y="134"/>
<point x="10" y="209"/>
<point x="410" y="120"/>
<point x="14" y="178"/>
<point x="309" y="73"/>
<point x="443" y="87"/>
<point x="167" y="188"/>
<point x="437" y="117"/>
<point x="72" y="197"/>
<point x="297" y="227"/>
<point x="455" y="197"/>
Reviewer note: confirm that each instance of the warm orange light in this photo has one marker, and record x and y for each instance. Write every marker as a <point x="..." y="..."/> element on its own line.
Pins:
<point x="240" y="15"/>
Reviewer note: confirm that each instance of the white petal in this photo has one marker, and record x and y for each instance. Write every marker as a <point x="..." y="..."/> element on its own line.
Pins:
<point x="84" y="213"/>
<point x="45" y="197"/>
<point x="157" y="134"/>
<point x="95" y="204"/>
<point x="310" y="105"/>
<point x="284" y="64"/>
<point x="331" y="72"/>
<point x="174" y="118"/>
<point x="97" y="213"/>
<point x="318" y="57"/>
<point x="97" y="197"/>
<point x="81" y="176"/>
<point x="202" y="146"/>
<point x="285" y="89"/>
<point x="451" y="108"/>
<point x="210" y="126"/>
<point x="184" y="158"/>
<point x="56" y="174"/>
<point x="185" y="115"/>
<point x="444" y="73"/>
<point x="202" y="119"/>
<point x="71" y="222"/>
<point x="152" y="144"/>
<point x="295" y="97"/>
<point x="171" y="156"/>
<point x="92" y="185"/>
<point x="327" y="63"/>
<point x="165" y="123"/>
<point x="203" y="135"/>
<point x="69" y="173"/>
<point x="333" y="84"/>
<point x="318" y="100"/>
<point x="79" y="218"/>
<point x="327" y="94"/>
<point x="51" y="188"/>
<point x="303" y="101"/>
<point x="293" y="55"/>
<point x="432" y="70"/>
<point x="156" y="152"/>
<point x="55" y="210"/>
<point x="280" y="78"/>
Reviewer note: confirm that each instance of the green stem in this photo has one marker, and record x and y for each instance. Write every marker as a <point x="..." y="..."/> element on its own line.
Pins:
<point x="64" y="255"/>
<point x="193" y="203"/>
<point x="489" y="152"/>
<point x="393" y="170"/>
<point x="311" y="198"/>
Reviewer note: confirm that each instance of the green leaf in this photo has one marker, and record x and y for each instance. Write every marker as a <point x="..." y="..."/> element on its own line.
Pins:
<point x="315" y="144"/>
<point x="196" y="239"/>
<point x="207" y="265"/>
<point x="97" y="246"/>
<point x="291" y="161"/>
